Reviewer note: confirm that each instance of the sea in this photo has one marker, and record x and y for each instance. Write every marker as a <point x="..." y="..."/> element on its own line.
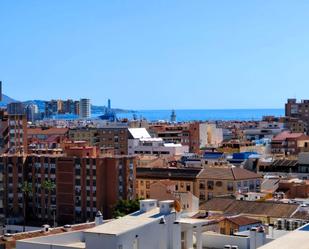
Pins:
<point x="204" y="115"/>
<point x="191" y="115"/>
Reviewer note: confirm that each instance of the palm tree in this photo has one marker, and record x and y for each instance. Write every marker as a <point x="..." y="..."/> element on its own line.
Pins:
<point x="27" y="190"/>
<point x="49" y="186"/>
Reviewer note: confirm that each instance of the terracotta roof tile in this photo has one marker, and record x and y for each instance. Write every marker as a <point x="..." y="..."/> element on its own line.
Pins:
<point x="230" y="173"/>
<point x="242" y="220"/>
<point x="236" y="207"/>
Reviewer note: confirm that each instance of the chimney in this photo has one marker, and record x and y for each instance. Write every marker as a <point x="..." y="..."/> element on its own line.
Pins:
<point x="147" y="205"/>
<point x="257" y="237"/>
<point x="166" y="207"/>
<point x="7" y="237"/>
<point x="260" y="237"/>
<point x="99" y="219"/>
<point x="271" y="230"/>
<point x="45" y="228"/>
<point x="67" y="228"/>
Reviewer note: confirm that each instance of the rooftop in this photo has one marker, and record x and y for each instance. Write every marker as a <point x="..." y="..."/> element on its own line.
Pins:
<point x="237" y="207"/>
<point x="297" y="239"/>
<point x="48" y="131"/>
<point x="243" y="220"/>
<point x="227" y="173"/>
<point x="138" y="133"/>
<point x="288" y="135"/>
<point x="167" y="173"/>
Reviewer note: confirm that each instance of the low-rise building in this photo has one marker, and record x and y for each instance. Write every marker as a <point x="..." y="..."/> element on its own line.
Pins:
<point x="183" y="179"/>
<point x="233" y="224"/>
<point x="289" y="143"/>
<point x="225" y="180"/>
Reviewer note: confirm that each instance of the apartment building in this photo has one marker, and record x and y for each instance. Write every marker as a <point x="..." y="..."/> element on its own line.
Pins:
<point x="287" y="142"/>
<point x="196" y="135"/>
<point x="17" y="128"/>
<point x="84" y="108"/>
<point x="226" y="180"/>
<point x="109" y="137"/>
<point x="297" y="109"/>
<point x="54" y="107"/>
<point x="4" y="131"/>
<point x="82" y="185"/>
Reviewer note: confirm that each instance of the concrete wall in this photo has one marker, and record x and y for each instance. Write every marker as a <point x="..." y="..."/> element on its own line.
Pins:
<point x="212" y="240"/>
<point x="151" y="236"/>
<point x="52" y="241"/>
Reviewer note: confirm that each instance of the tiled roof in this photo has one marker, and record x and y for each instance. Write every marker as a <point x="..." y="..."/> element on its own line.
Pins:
<point x="303" y="215"/>
<point x="34" y="234"/>
<point x="49" y="131"/>
<point x="242" y="220"/>
<point x="288" y="135"/>
<point x="236" y="207"/>
<point x="227" y="173"/>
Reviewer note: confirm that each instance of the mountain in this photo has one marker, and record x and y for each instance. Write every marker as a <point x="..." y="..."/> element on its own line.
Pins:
<point x="6" y="100"/>
<point x="41" y="105"/>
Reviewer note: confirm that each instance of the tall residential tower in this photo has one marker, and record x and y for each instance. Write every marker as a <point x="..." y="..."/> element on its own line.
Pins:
<point x="84" y="108"/>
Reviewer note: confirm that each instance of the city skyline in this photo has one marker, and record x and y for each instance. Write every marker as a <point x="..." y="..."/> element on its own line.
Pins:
<point x="175" y="55"/>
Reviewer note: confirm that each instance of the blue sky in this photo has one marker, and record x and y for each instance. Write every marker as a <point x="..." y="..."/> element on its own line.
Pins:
<point x="157" y="54"/>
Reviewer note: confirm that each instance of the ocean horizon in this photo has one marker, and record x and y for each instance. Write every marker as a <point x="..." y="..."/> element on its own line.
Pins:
<point x="183" y="115"/>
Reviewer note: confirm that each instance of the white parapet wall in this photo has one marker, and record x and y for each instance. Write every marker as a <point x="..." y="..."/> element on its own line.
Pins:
<point x="215" y="240"/>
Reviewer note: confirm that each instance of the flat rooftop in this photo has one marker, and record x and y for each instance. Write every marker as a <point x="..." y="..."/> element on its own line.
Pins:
<point x="127" y="223"/>
<point x="297" y="239"/>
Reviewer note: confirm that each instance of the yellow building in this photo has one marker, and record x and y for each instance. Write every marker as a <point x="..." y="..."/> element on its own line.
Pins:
<point x="226" y="180"/>
<point x="184" y="180"/>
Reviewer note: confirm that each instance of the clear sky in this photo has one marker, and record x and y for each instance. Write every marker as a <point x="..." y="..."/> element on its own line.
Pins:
<point x="159" y="54"/>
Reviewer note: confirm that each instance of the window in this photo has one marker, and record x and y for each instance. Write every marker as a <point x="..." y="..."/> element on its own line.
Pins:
<point x="188" y="188"/>
<point x="219" y="184"/>
<point x="251" y="185"/>
<point x="230" y="186"/>
<point x="210" y="185"/>
<point x="202" y="184"/>
<point x="147" y="185"/>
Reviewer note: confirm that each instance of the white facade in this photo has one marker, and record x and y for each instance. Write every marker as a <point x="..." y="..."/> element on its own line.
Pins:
<point x="210" y="135"/>
<point x="215" y="135"/>
<point x="140" y="142"/>
<point x="153" y="227"/>
<point x="84" y="108"/>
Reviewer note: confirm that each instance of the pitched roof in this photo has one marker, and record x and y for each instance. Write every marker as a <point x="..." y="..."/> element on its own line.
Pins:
<point x="48" y="131"/>
<point x="236" y="207"/>
<point x="139" y="133"/>
<point x="227" y="173"/>
<point x="288" y="135"/>
<point x="242" y="220"/>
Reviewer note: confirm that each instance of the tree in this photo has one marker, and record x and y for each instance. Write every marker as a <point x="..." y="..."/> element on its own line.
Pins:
<point x="48" y="186"/>
<point x="27" y="190"/>
<point x="124" y="207"/>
